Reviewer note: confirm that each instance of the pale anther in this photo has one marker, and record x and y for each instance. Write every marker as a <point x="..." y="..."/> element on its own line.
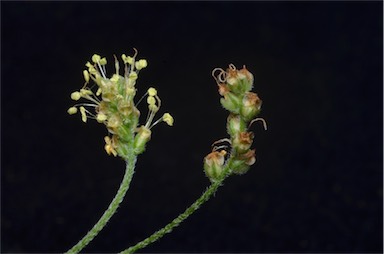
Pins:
<point x="75" y="96"/>
<point x="152" y="91"/>
<point x="83" y="114"/>
<point x="72" y="110"/>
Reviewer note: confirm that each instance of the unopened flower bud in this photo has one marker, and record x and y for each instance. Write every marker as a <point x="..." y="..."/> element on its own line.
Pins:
<point x="125" y="107"/>
<point x="114" y="122"/>
<point x="239" y="81"/>
<point x="251" y="105"/>
<point x="231" y="102"/>
<point x="235" y="125"/>
<point x="239" y="167"/>
<point x="242" y="163"/>
<point x="242" y="141"/>
<point x="142" y="137"/>
<point x="248" y="76"/>
<point x="214" y="164"/>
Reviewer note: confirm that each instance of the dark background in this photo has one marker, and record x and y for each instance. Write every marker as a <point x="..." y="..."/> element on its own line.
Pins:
<point x="317" y="184"/>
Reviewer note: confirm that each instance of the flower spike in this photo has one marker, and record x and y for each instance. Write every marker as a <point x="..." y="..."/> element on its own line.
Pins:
<point x="112" y="103"/>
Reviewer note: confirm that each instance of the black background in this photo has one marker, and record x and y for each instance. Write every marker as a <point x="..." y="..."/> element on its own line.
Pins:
<point x="317" y="184"/>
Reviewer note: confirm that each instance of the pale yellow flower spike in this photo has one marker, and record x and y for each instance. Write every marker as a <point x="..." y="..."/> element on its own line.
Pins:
<point x="152" y="91"/>
<point x="72" y="110"/>
<point x="75" y="96"/>
<point x="168" y="119"/>
<point x="83" y="115"/>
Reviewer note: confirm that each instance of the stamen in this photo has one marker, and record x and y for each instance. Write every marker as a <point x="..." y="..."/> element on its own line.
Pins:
<point x="86" y="75"/>
<point x="86" y="104"/>
<point x="142" y="97"/>
<point x="72" y="110"/>
<point x="83" y="115"/>
<point x="221" y="140"/>
<point x="259" y="119"/>
<point x="152" y="91"/>
<point x="117" y="66"/>
<point x="153" y="109"/>
<point x="166" y="118"/>
<point x="101" y="70"/>
<point x="221" y="77"/>
<point x="232" y="67"/>
<point x="75" y="96"/>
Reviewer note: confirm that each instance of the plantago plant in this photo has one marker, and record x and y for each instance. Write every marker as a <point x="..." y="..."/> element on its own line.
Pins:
<point x="112" y="102"/>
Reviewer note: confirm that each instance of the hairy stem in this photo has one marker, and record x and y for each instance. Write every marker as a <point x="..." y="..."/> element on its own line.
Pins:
<point x="129" y="171"/>
<point x="176" y="222"/>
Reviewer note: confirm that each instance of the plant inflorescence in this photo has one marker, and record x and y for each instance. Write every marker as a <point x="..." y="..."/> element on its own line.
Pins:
<point x="111" y="101"/>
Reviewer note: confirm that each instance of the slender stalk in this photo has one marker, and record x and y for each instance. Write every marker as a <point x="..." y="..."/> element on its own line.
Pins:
<point x="176" y="222"/>
<point x="129" y="171"/>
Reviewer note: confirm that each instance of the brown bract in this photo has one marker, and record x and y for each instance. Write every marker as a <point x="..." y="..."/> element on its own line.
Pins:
<point x="245" y="72"/>
<point x="251" y="99"/>
<point x="246" y="138"/>
<point x="216" y="158"/>
<point x="223" y="89"/>
<point x="249" y="157"/>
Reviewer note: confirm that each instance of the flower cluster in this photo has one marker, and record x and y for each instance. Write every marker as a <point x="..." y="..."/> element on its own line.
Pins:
<point x="243" y="105"/>
<point x="112" y="104"/>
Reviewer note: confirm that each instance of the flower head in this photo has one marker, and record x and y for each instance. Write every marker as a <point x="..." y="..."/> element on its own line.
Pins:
<point x="235" y="88"/>
<point x="112" y="101"/>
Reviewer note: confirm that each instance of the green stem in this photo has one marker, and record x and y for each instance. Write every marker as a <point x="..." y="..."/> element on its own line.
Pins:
<point x="190" y="210"/>
<point x="129" y="170"/>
